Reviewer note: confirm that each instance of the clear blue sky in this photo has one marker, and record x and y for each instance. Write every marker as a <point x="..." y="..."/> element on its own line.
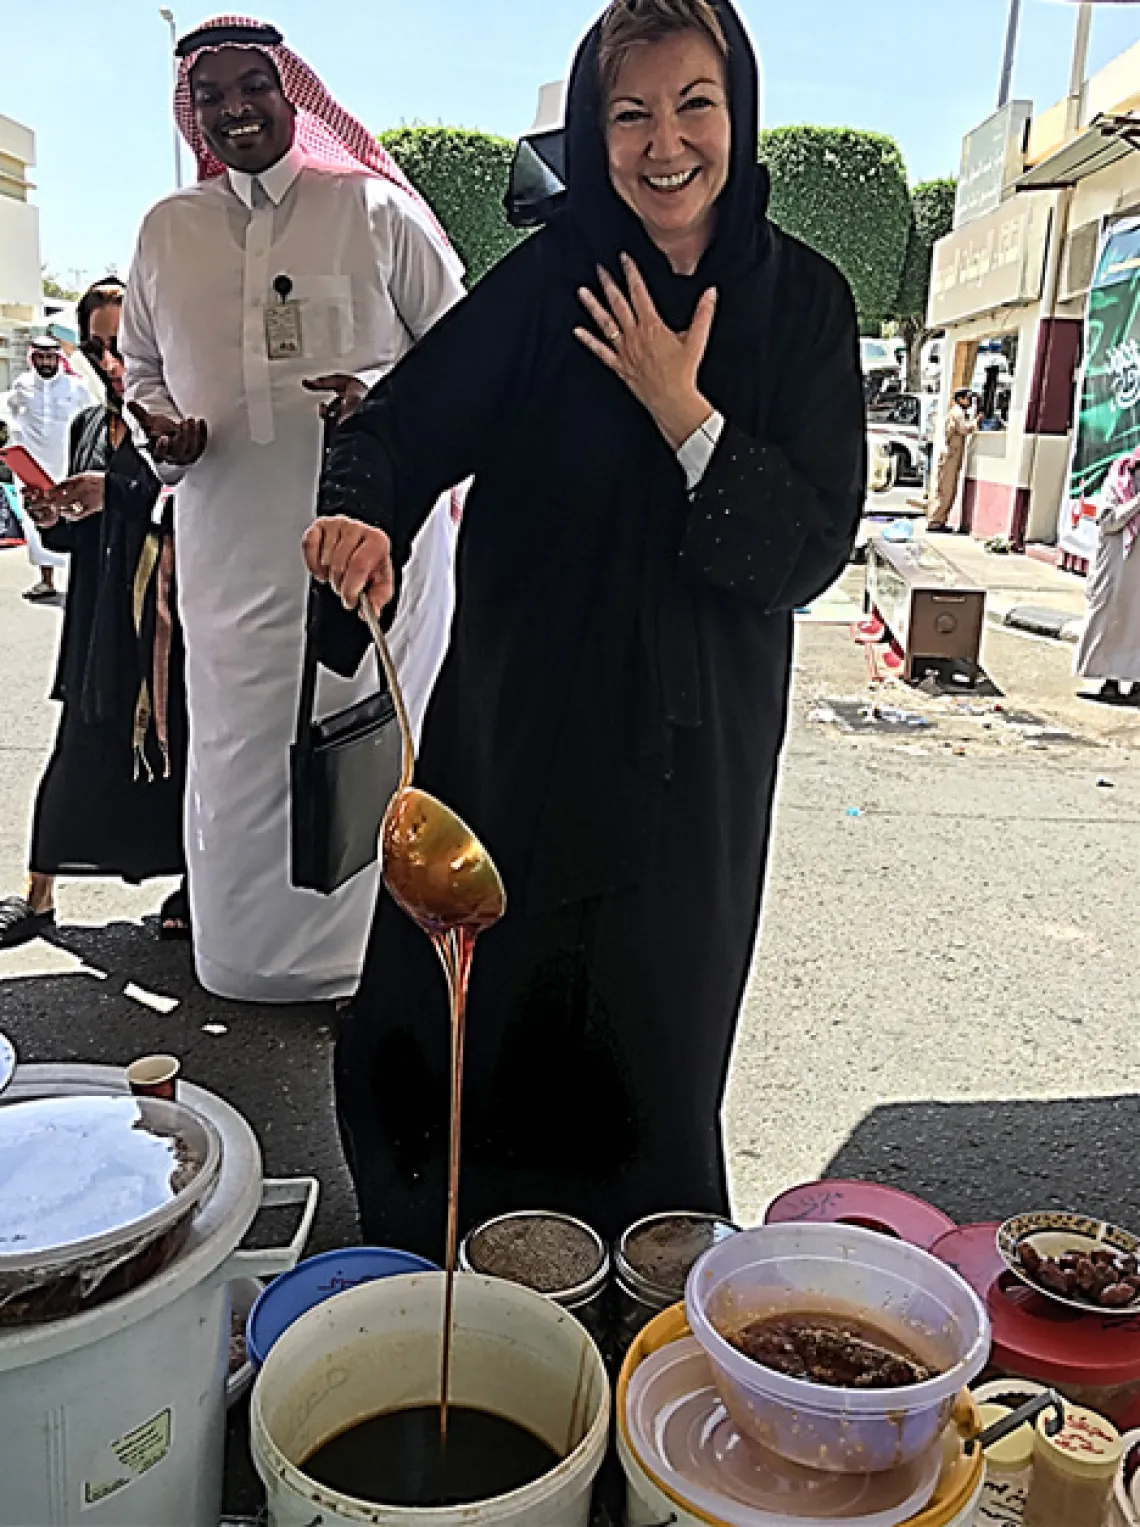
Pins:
<point x="92" y="80"/>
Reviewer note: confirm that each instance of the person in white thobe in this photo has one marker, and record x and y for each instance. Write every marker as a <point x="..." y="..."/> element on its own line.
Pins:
<point x="342" y="240"/>
<point x="42" y="404"/>
<point x="1110" y="642"/>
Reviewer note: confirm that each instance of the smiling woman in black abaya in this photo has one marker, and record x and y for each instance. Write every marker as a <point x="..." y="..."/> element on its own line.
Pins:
<point x="659" y="399"/>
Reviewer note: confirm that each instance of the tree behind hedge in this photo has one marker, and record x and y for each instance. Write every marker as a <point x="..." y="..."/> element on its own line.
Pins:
<point x="463" y="175"/>
<point x="844" y="192"/>
<point x="932" y="207"/>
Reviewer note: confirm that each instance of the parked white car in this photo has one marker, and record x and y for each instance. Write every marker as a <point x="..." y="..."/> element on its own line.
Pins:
<point x="899" y="431"/>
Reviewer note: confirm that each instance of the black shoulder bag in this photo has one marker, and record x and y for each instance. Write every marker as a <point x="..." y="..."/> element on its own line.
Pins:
<point x="344" y="771"/>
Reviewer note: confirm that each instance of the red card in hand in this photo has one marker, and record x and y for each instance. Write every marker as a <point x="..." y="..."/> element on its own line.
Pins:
<point x="24" y="465"/>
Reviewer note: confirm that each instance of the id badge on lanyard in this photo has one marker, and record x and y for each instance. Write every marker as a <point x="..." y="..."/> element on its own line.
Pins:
<point x="283" y="340"/>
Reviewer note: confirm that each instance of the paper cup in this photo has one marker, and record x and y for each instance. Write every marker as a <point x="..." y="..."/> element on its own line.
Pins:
<point x="154" y="1076"/>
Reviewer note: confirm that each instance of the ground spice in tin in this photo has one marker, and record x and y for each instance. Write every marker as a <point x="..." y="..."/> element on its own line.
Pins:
<point x="548" y="1255"/>
<point x="663" y="1253"/>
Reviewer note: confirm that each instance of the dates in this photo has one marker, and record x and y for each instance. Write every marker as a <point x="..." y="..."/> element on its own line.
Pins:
<point x="1101" y="1278"/>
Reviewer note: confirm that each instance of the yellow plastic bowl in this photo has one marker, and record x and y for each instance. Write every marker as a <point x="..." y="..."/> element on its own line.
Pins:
<point x="962" y="1474"/>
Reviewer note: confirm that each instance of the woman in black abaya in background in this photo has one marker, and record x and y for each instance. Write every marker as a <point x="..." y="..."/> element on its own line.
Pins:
<point x="659" y="397"/>
<point x="110" y="800"/>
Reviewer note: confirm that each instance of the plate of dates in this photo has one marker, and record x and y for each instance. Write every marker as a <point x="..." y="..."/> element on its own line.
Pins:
<point x="1086" y="1264"/>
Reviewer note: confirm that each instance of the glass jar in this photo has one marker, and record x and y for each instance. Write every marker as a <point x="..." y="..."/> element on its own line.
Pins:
<point x="551" y="1253"/>
<point x="652" y="1262"/>
<point x="1073" y="1472"/>
<point x="1009" y="1469"/>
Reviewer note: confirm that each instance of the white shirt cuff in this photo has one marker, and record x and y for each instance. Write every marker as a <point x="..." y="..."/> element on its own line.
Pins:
<point x="697" y="451"/>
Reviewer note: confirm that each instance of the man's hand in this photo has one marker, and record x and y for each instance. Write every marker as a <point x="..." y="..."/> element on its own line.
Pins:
<point x="349" y="392"/>
<point x="77" y="497"/>
<point x="353" y="557"/>
<point x="172" y="443"/>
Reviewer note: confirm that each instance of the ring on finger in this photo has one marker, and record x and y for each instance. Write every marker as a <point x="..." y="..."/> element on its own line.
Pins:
<point x="613" y="333"/>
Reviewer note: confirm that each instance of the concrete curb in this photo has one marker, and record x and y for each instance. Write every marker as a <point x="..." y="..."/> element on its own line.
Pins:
<point x="1040" y="620"/>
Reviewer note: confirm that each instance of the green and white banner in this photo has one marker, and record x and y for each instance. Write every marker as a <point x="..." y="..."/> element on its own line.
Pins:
<point x="1109" y="422"/>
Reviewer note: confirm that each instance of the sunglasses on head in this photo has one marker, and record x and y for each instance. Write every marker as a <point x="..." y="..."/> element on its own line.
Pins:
<point x="97" y="349"/>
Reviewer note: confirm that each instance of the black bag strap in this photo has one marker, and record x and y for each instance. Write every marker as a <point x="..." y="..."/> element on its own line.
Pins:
<point x="307" y="696"/>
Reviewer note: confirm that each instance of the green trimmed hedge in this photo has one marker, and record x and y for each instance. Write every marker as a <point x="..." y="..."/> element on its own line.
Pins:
<point x="463" y="175"/>
<point x="932" y="205"/>
<point x="845" y="193"/>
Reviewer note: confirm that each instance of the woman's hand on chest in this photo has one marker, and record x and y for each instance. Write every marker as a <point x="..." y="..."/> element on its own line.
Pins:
<point x="658" y="365"/>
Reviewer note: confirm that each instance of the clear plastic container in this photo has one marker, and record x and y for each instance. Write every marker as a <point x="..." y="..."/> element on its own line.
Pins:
<point x="1009" y="1469"/>
<point x="837" y="1270"/>
<point x="97" y="1193"/>
<point x="1073" y="1472"/>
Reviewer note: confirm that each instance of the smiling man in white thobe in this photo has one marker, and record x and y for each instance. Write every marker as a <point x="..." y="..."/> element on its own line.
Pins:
<point x="302" y="256"/>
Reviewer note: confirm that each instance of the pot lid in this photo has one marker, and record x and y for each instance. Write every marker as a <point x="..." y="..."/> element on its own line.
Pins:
<point x="80" y="1174"/>
<point x="1032" y="1335"/>
<point x="874" y="1205"/>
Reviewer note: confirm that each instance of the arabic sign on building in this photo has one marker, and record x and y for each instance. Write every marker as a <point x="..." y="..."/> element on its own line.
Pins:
<point x="995" y="262"/>
<point x="1109" y="426"/>
<point x="992" y="158"/>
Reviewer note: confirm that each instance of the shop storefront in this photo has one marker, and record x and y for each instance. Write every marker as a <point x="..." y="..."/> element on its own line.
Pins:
<point x="1011" y="288"/>
<point x="986" y="291"/>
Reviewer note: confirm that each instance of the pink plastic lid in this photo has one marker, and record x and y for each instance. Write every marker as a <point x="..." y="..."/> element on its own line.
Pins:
<point x="869" y="1204"/>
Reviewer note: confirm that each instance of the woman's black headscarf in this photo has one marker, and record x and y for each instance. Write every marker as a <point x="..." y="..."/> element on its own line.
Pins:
<point x="610" y="226"/>
<point x="738" y="261"/>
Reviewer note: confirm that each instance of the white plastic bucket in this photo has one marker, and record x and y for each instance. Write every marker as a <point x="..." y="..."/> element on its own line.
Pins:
<point x="376" y="1349"/>
<point x="116" y="1417"/>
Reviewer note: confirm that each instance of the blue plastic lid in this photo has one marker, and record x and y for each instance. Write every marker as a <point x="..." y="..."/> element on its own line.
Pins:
<point x="316" y="1279"/>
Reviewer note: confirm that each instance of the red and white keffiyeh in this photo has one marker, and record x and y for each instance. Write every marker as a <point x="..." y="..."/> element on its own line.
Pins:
<point x="1120" y="492"/>
<point x="326" y="133"/>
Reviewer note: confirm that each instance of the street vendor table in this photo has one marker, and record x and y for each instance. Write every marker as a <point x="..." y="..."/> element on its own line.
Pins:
<point x="1092" y="1359"/>
<point x="933" y="613"/>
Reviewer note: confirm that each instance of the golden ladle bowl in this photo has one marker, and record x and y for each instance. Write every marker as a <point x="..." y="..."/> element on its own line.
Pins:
<point x="433" y="864"/>
<point x="436" y="868"/>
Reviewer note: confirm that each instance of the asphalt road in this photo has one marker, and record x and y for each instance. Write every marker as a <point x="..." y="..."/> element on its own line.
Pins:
<point x="944" y="995"/>
<point x="944" y="986"/>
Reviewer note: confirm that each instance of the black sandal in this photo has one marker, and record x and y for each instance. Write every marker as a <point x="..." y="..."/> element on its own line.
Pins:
<point x="19" y="924"/>
<point x="174" y="917"/>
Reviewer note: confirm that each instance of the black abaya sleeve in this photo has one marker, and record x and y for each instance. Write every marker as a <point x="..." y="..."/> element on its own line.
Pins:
<point x="132" y="488"/>
<point x="774" y="520"/>
<point x="428" y="425"/>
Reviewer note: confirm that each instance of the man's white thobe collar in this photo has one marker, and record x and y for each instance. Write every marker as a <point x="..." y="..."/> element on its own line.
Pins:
<point x="276" y="181"/>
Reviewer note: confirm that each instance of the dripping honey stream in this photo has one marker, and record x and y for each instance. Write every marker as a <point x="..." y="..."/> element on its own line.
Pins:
<point x="440" y="874"/>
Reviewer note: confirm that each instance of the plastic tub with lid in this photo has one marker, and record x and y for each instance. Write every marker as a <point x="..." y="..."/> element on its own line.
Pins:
<point x="96" y="1195"/>
<point x="650" y="1503"/>
<point x="838" y="1270"/>
<point x="115" y="1417"/>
